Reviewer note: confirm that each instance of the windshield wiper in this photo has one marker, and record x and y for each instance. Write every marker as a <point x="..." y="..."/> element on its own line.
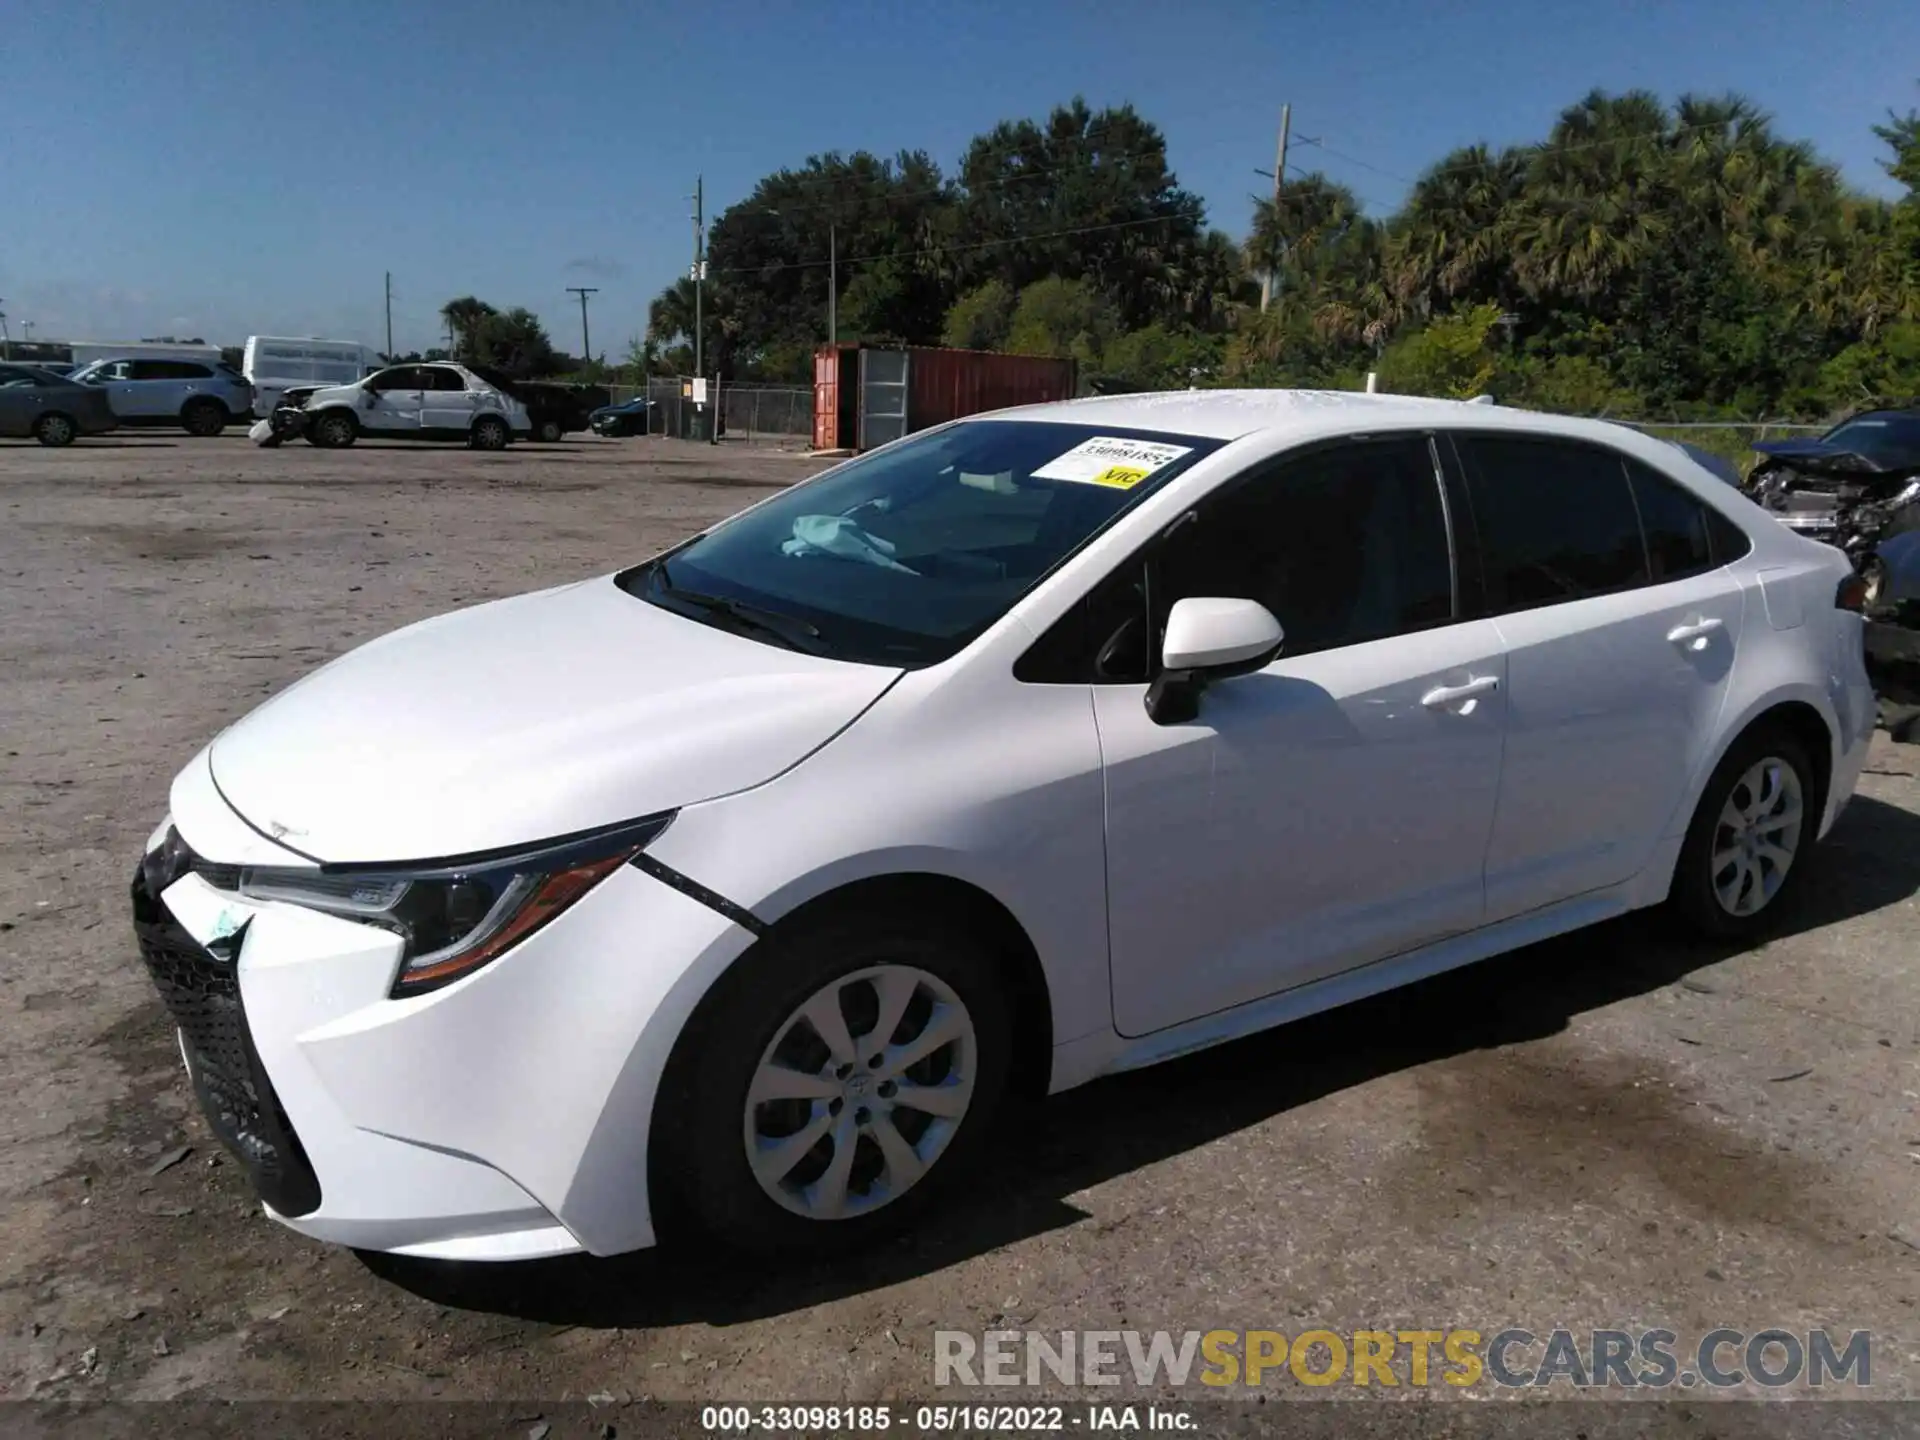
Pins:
<point x="790" y="630"/>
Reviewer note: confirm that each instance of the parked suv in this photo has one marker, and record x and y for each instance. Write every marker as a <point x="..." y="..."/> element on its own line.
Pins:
<point x="416" y="402"/>
<point x="202" y="397"/>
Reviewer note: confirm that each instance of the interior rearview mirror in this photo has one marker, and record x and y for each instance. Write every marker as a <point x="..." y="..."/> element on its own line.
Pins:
<point x="1209" y="638"/>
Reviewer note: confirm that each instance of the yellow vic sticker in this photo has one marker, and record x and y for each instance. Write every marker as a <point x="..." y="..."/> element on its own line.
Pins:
<point x="1121" y="477"/>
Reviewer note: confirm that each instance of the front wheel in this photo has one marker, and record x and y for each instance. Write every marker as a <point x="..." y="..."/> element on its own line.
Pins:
<point x="55" y="430"/>
<point x="334" y="430"/>
<point x="1749" y="838"/>
<point x="835" y="1083"/>
<point x="490" y="433"/>
<point x="548" y="432"/>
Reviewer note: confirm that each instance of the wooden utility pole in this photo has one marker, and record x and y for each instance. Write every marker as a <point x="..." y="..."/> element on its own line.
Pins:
<point x="1279" y="175"/>
<point x="699" y="269"/>
<point x="586" y="346"/>
<point x="389" y="355"/>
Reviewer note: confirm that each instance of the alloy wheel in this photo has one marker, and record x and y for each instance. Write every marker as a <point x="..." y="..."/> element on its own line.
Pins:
<point x="1757" y="836"/>
<point x="862" y="1089"/>
<point x="55" y="430"/>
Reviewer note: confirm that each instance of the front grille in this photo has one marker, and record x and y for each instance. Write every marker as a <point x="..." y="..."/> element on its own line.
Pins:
<point x="201" y="988"/>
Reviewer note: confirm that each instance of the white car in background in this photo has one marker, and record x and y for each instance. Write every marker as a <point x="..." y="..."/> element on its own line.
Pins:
<point x="439" y="401"/>
<point x="740" y="887"/>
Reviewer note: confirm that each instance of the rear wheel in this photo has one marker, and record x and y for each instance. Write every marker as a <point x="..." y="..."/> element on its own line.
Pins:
<point x="1748" y="842"/>
<point x="490" y="433"/>
<point x="835" y="1083"/>
<point x="204" y="417"/>
<point x="548" y="432"/>
<point x="334" y="430"/>
<point x="55" y="429"/>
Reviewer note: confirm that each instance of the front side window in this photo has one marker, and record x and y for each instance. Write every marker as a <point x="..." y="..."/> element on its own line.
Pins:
<point x="902" y="557"/>
<point x="1556" y="521"/>
<point x="400" y="377"/>
<point x="1344" y="545"/>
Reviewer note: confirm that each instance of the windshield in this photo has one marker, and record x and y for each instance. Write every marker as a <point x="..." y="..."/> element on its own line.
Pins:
<point x="1886" y="438"/>
<point x="903" y="557"/>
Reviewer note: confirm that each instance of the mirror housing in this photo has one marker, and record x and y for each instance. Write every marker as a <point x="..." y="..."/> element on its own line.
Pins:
<point x="1209" y="638"/>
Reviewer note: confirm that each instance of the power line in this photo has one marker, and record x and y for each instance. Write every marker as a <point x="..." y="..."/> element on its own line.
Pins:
<point x="1037" y="172"/>
<point x="959" y="249"/>
<point x="1541" y="147"/>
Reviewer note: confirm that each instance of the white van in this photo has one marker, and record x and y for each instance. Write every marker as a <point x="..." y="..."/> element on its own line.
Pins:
<point x="274" y="362"/>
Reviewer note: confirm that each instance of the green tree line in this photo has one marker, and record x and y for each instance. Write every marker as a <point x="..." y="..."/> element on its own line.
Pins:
<point x="1641" y="260"/>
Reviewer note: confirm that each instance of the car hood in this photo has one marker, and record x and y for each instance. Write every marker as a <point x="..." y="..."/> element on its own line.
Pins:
<point x="1824" y="455"/>
<point x="525" y="719"/>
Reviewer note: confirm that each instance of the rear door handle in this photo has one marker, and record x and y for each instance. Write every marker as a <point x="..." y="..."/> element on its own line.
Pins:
<point x="1444" y="695"/>
<point x="1694" y="634"/>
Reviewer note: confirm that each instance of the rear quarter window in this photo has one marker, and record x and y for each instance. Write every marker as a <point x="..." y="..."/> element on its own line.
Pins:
<point x="1679" y="542"/>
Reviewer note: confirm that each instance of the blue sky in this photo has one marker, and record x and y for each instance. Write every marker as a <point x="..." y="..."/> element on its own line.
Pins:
<point x="223" y="169"/>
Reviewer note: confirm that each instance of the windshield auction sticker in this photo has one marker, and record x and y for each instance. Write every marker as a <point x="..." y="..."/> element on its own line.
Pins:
<point x="1109" y="460"/>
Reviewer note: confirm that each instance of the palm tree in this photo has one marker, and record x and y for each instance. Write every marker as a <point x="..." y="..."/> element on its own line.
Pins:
<point x="1452" y="237"/>
<point x="670" y="316"/>
<point x="464" y="317"/>
<point x="1597" y="198"/>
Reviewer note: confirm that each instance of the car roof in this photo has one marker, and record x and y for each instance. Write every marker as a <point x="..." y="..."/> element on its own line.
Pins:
<point x="1302" y="414"/>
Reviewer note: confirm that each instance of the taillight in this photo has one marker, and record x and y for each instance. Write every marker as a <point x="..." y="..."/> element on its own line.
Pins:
<point x="1852" y="594"/>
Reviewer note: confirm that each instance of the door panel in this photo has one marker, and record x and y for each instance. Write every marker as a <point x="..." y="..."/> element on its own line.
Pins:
<point x="883" y="396"/>
<point x="1334" y="808"/>
<point x="1317" y="816"/>
<point x="395" y="409"/>
<point x="1610" y="717"/>
<point x="1617" y="658"/>
<point x="446" y="408"/>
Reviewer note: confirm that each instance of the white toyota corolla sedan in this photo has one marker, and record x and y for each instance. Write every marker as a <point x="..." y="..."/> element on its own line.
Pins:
<point x="743" y="886"/>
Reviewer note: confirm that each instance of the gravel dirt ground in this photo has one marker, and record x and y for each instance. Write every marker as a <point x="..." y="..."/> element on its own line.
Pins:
<point x="1608" y="1130"/>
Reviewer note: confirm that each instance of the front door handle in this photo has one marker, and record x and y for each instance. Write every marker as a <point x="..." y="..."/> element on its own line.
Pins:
<point x="1695" y="634"/>
<point x="1442" y="696"/>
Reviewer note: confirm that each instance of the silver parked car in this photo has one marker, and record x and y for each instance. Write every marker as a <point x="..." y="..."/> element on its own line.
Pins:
<point x="202" y="397"/>
<point x="50" y="408"/>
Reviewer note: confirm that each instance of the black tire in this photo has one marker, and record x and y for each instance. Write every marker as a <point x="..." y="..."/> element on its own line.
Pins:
<point x="489" y="432"/>
<point x="548" y="432"/>
<point x="1693" y="899"/>
<point x="54" y="429"/>
<point x="701" y="1114"/>
<point x="333" y="430"/>
<point x="205" y="418"/>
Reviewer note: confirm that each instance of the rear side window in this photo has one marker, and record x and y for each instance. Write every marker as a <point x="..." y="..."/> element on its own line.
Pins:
<point x="439" y="378"/>
<point x="169" y="370"/>
<point x="1675" y="523"/>
<point x="1556" y="521"/>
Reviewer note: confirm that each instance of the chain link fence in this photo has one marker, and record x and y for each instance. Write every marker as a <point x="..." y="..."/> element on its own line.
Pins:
<point x="755" y="414"/>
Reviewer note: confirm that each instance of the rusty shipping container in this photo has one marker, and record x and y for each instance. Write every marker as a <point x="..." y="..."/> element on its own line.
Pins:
<point x="866" y="397"/>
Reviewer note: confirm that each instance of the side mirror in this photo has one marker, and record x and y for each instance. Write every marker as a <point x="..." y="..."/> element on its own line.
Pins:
<point x="1209" y="638"/>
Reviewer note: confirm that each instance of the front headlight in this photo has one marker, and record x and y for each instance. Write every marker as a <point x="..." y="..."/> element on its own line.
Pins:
<point x="455" y="916"/>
